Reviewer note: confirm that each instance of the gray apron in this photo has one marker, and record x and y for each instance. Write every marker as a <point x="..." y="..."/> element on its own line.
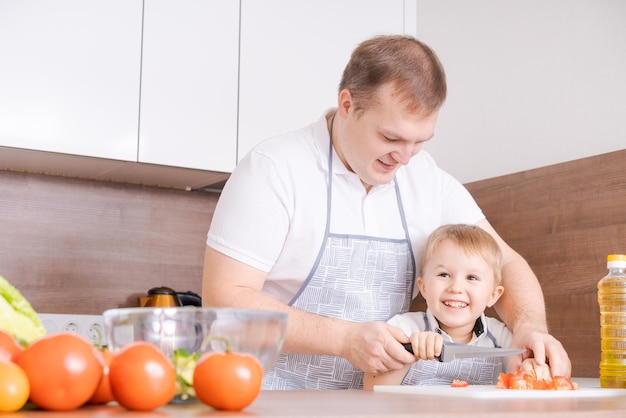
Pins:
<point x="356" y="278"/>
<point x="475" y="371"/>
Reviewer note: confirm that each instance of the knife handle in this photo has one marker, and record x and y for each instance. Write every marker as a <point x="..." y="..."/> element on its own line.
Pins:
<point x="409" y="348"/>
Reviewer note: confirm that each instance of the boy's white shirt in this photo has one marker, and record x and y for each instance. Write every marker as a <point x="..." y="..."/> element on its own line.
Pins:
<point x="412" y="322"/>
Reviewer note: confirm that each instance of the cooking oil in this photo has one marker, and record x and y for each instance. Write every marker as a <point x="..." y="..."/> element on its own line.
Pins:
<point x="612" y="300"/>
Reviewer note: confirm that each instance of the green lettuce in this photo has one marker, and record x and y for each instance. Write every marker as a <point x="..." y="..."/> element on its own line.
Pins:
<point x="185" y="363"/>
<point x="17" y="316"/>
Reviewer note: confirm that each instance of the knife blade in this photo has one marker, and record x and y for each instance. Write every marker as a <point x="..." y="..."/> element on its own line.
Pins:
<point x="451" y="351"/>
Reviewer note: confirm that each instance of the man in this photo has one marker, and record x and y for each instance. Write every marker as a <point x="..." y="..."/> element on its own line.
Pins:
<point x="326" y="223"/>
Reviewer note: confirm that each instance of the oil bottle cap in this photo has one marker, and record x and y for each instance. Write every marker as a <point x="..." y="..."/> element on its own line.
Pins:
<point x="616" y="257"/>
<point x="616" y="260"/>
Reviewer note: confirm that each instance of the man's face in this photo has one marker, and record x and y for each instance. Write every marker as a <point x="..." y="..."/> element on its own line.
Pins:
<point x="375" y="142"/>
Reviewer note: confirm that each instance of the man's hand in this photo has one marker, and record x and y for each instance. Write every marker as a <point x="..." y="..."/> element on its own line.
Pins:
<point x="375" y="347"/>
<point x="545" y="349"/>
<point x="542" y="372"/>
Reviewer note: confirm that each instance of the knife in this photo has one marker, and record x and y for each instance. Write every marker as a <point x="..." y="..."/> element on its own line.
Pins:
<point x="451" y="351"/>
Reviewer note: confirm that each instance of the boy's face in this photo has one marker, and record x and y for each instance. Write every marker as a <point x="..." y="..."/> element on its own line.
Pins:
<point x="458" y="286"/>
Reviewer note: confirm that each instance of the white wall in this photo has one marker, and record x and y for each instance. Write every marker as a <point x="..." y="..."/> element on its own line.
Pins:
<point x="530" y="82"/>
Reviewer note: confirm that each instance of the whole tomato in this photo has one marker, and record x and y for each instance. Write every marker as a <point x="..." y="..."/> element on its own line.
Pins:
<point x="229" y="381"/>
<point x="142" y="377"/>
<point x="63" y="371"/>
<point x="9" y="348"/>
<point x="14" y="387"/>
<point x="103" y="393"/>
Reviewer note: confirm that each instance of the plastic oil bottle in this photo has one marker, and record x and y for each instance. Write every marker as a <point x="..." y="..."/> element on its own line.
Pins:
<point x="612" y="300"/>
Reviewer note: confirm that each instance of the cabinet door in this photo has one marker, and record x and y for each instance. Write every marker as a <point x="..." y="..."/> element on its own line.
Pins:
<point x="69" y="76"/>
<point x="293" y="54"/>
<point x="189" y="84"/>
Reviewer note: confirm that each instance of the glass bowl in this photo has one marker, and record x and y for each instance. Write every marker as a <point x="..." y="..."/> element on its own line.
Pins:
<point x="182" y="333"/>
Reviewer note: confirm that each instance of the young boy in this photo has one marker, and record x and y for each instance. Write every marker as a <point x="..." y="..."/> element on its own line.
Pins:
<point x="460" y="276"/>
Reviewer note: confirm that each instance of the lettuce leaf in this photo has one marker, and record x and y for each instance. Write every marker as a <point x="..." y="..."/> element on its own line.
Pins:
<point x="17" y="316"/>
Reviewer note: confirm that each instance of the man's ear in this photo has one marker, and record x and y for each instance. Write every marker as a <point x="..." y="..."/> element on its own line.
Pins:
<point x="344" y="102"/>
<point x="495" y="295"/>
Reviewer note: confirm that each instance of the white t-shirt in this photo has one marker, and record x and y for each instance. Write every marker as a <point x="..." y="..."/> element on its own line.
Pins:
<point x="272" y="211"/>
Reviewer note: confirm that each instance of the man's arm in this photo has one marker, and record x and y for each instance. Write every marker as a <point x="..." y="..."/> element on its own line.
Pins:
<point x="522" y="308"/>
<point x="369" y="346"/>
<point x="522" y="302"/>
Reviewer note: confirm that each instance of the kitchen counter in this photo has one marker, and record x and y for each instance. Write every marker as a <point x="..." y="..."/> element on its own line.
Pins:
<point x="356" y="403"/>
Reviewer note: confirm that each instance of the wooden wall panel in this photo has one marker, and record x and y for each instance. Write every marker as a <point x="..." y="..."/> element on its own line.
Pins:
<point x="564" y="219"/>
<point x="77" y="246"/>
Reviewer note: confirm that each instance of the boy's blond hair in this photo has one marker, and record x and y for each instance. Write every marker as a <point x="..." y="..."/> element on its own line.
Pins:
<point x="472" y="239"/>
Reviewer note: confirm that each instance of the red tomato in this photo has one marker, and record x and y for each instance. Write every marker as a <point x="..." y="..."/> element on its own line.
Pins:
<point x="228" y="381"/>
<point x="63" y="371"/>
<point x="503" y="381"/>
<point x="526" y="379"/>
<point x="456" y="383"/>
<point x="563" y="383"/>
<point x="142" y="377"/>
<point x="14" y="387"/>
<point x="103" y="393"/>
<point x="541" y="384"/>
<point x="9" y="348"/>
<point x="521" y="380"/>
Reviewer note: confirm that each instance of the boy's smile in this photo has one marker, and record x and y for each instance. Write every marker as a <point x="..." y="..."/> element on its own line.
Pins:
<point x="458" y="286"/>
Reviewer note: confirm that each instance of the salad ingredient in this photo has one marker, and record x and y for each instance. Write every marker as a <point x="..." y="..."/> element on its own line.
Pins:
<point x="527" y="380"/>
<point x="228" y="381"/>
<point x="17" y="316"/>
<point x="63" y="371"/>
<point x="9" y="348"/>
<point x="14" y="387"/>
<point x="456" y="383"/>
<point x="142" y="377"/>
<point x="185" y="363"/>
<point x="103" y="393"/>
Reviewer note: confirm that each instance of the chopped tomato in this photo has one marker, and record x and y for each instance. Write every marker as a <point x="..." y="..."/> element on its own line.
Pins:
<point x="563" y="383"/>
<point x="527" y="380"/>
<point x="522" y="379"/>
<point x="456" y="383"/>
<point x="503" y="381"/>
<point x="542" y="384"/>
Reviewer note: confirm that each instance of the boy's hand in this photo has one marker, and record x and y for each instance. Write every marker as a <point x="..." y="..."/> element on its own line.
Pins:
<point x="426" y="345"/>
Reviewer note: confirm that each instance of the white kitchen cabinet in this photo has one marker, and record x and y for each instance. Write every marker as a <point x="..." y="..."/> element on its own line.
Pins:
<point x="69" y="76"/>
<point x="189" y="79"/>
<point x="293" y="54"/>
<point x="188" y="84"/>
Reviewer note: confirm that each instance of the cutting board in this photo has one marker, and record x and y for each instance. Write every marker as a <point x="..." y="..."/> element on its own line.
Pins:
<point x="490" y="392"/>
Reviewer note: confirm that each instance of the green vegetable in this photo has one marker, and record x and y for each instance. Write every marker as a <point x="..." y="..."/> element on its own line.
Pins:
<point x="17" y="316"/>
<point x="185" y="363"/>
